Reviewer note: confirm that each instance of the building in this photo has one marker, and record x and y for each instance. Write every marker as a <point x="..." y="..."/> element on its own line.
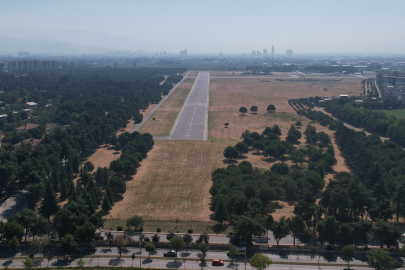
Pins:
<point x="344" y="96"/>
<point x="362" y="63"/>
<point x="183" y="53"/>
<point x="272" y="51"/>
<point x="23" y="54"/>
<point x="31" y="104"/>
<point x="32" y="141"/>
<point x="31" y="65"/>
<point x="26" y="128"/>
<point x="1" y="67"/>
<point x="289" y="53"/>
<point x="253" y="53"/>
<point x="258" y="53"/>
<point x="265" y="52"/>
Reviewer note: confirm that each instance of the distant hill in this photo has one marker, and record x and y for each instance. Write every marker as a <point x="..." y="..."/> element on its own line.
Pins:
<point x="76" y="41"/>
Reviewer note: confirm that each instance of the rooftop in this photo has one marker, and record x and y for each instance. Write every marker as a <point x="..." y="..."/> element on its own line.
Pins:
<point x="28" y="127"/>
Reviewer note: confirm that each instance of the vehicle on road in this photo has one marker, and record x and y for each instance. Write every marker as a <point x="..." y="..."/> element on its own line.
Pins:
<point x="217" y="263"/>
<point x="170" y="253"/>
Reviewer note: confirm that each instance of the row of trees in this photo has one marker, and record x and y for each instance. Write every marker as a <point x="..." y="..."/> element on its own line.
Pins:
<point x="254" y="109"/>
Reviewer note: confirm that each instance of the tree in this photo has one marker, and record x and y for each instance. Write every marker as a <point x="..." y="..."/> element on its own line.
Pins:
<point x="242" y="148"/>
<point x="80" y="263"/>
<point x="117" y="185"/>
<point x="68" y="244"/>
<point x="306" y="236"/>
<point x="379" y="259"/>
<point x="268" y="224"/>
<point x="226" y="125"/>
<point x="280" y="229"/>
<point x="170" y="235"/>
<point x="260" y="261"/>
<point x="121" y="242"/>
<point x="39" y="243"/>
<point x="270" y="151"/>
<point x="49" y="256"/>
<point x="88" y="167"/>
<point x="155" y="239"/>
<point x="27" y="262"/>
<point x="259" y="146"/>
<point x="280" y="168"/>
<point x="177" y="243"/>
<point x="12" y="229"/>
<point x="387" y="233"/>
<point x="271" y="107"/>
<point x="149" y="247"/>
<point x="135" y="221"/>
<point x="253" y="109"/>
<point x="328" y="230"/>
<point x="230" y="152"/>
<point x="247" y="226"/>
<point x="106" y="205"/>
<point x="220" y="211"/>
<point x="298" y="123"/>
<point x="243" y="110"/>
<point x="297" y="226"/>
<point x="204" y="249"/>
<point x="85" y="232"/>
<point x="297" y="156"/>
<point x="232" y="252"/>
<point x="349" y="252"/>
<point x="49" y="205"/>
<point x="203" y="238"/>
<point x="14" y="244"/>
<point x="188" y="239"/>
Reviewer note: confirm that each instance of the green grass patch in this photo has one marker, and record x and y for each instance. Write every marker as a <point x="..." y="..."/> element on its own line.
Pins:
<point x="283" y="116"/>
<point x="211" y="122"/>
<point x="399" y="114"/>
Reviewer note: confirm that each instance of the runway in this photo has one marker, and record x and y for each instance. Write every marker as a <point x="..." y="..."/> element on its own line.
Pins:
<point x="192" y="121"/>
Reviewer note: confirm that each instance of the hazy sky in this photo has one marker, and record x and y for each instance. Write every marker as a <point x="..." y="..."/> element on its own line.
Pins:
<point x="306" y="26"/>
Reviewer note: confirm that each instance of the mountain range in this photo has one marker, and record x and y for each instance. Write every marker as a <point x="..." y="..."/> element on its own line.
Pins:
<point x="66" y="41"/>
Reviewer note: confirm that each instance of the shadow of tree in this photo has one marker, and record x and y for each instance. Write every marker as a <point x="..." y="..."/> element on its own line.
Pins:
<point x="115" y="262"/>
<point x="175" y="264"/>
<point x="227" y="161"/>
<point x="185" y="254"/>
<point x="147" y="261"/>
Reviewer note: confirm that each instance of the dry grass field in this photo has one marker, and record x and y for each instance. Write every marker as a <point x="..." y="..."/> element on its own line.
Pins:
<point x="167" y="113"/>
<point x="174" y="180"/>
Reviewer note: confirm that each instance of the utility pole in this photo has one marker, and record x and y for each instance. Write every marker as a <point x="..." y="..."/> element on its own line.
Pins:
<point x="140" y="252"/>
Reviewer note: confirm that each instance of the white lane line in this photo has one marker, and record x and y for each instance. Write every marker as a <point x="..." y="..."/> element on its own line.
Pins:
<point x="206" y="107"/>
<point x="192" y="118"/>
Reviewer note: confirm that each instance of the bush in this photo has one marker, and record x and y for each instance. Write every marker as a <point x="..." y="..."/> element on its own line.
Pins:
<point x="119" y="228"/>
<point x="146" y="239"/>
<point x="141" y="229"/>
<point x="190" y="231"/>
<point x="159" y="230"/>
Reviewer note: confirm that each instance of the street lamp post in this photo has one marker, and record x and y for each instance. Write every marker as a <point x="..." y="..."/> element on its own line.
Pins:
<point x="245" y="258"/>
<point x="40" y="255"/>
<point x="140" y="252"/>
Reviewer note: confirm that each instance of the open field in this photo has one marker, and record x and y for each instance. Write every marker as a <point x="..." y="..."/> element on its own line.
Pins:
<point x="174" y="180"/>
<point x="168" y="111"/>
<point x="399" y="114"/>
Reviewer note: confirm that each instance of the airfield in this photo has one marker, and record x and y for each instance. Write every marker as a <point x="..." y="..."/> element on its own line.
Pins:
<point x="175" y="178"/>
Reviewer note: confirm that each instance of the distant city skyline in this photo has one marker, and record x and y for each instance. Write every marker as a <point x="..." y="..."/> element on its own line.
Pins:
<point x="312" y="26"/>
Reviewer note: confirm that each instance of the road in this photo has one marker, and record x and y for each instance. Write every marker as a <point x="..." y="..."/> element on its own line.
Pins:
<point x="187" y="259"/>
<point x="192" y="121"/>
<point x="15" y="203"/>
<point x="138" y="127"/>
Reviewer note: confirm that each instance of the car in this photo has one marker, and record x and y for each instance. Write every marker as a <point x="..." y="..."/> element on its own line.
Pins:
<point x="217" y="262"/>
<point x="170" y="253"/>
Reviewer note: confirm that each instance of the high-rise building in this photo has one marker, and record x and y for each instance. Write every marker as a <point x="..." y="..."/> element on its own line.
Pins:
<point x="258" y="53"/>
<point x="272" y="51"/>
<point x="264" y="52"/>
<point x="1" y="67"/>
<point x="289" y="53"/>
<point x="253" y="53"/>
<point x="183" y="53"/>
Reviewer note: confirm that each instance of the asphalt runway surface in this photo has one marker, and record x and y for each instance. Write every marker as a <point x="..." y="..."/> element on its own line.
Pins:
<point x="192" y="121"/>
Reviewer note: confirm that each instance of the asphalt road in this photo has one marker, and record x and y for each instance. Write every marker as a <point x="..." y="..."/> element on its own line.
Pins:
<point x="192" y="121"/>
<point x="138" y="127"/>
<point x="186" y="259"/>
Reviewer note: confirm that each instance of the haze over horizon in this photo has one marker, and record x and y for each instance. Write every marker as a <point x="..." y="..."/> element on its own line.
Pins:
<point x="203" y="26"/>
